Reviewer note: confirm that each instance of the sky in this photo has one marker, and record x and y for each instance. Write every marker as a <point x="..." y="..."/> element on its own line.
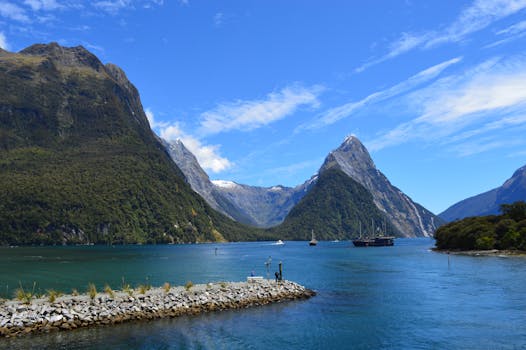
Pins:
<point x="262" y="91"/>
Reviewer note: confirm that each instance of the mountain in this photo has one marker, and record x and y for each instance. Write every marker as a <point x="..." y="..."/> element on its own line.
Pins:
<point x="250" y="205"/>
<point x="269" y="206"/>
<point x="409" y="218"/>
<point x="487" y="203"/>
<point x="79" y="162"/>
<point x="334" y="208"/>
<point x="200" y="182"/>
<point x="266" y="206"/>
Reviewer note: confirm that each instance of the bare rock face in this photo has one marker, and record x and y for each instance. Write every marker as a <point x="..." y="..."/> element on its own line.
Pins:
<point x="410" y="218"/>
<point x="487" y="203"/>
<point x="251" y="205"/>
<point x="266" y="206"/>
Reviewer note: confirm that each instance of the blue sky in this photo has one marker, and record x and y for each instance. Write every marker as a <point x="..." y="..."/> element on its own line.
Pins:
<point x="261" y="91"/>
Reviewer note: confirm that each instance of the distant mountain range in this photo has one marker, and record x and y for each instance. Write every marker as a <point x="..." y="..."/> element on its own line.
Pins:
<point x="266" y="207"/>
<point x="251" y="205"/>
<point x="80" y="164"/>
<point x="487" y="203"/>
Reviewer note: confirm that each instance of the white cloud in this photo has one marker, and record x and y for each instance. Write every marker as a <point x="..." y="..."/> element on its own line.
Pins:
<point x="3" y="42"/>
<point x="511" y="33"/>
<point x="207" y="155"/>
<point x="513" y="29"/>
<point x="218" y="18"/>
<point x="153" y="123"/>
<point x="13" y="12"/>
<point x="112" y="6"/>
<point x="335" y="114"/>
<point x="249" y="115"/>
<point x="47" y="5"/>
<point x="487" y="98"/>
<point x="478" y="16"/>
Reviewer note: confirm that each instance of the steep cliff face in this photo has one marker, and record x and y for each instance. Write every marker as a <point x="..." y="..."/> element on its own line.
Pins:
<point x="79" y="162"/>
<point x="513" y="189"/>
<point x="408" y="217"/>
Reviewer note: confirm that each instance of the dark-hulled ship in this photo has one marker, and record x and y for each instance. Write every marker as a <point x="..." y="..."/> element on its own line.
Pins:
<point x="374" y="242"/>
<point x="378" y="240"/>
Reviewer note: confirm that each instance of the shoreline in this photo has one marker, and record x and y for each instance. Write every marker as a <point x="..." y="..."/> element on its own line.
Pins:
<point x="491" y="252"/>
<point x="70" y="312"/>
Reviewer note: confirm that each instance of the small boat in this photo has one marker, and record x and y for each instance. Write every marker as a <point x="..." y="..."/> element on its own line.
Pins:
<point x="279" y="242"/>
<point x="313" y="240"/>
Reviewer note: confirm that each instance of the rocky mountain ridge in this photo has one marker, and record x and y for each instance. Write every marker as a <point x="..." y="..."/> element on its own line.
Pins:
<point x="269" y="206"/>
<point x="487" y="203"/>
<point x="409" y="218"/>
<point x="251" y="205"/>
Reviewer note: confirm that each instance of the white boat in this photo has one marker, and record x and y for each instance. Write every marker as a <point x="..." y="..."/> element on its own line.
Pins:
<point x="313" y="241"/>
<point x="279" y="242"/>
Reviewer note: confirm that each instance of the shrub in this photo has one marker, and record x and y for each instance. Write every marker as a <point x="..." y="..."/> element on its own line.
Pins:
<point x="92" y="291"/>
<point x="74" y="292"/>
<point x="24" y="296"/>
<point x="188" y="285"/>
<point x="166" y="287"/>
<point x="143" y="288"/>
<point x="53" y="295"/>
<point x="109" y="291"/>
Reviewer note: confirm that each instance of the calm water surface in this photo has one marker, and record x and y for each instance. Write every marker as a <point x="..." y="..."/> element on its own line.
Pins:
<point x="401" y="297"/>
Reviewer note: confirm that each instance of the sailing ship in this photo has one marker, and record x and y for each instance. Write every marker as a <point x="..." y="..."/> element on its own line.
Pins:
<point x="374" y="241"/>
<point x="313" y="240"/>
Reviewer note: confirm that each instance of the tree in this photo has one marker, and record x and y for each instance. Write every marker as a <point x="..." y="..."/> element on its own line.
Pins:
<point x="516" y="211"/>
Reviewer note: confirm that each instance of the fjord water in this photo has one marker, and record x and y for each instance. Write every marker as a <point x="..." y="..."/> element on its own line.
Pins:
<point x="401" y="297"/>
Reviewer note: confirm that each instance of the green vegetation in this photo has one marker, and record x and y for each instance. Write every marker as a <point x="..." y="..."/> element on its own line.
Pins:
<point x="506" y="231"/>
<point x="109" y="291"/>
<point x="80" y="163"/>
<point x="188" y="285"/>
<point x="92" y="291"/>
<point x="143" y="288"/>
<point x="333" y="208"/>
<point x="53" y="295"/>
<point x="25" y="296"/>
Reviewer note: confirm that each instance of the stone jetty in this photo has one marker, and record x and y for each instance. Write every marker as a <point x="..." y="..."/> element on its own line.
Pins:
<point x="69" y="312"/>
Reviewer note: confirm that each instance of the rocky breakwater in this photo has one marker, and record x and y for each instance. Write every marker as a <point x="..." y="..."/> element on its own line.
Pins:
<point x="69" y="312"/>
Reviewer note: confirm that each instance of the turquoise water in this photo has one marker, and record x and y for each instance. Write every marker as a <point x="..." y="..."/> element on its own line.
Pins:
<point x="401" y="297"/>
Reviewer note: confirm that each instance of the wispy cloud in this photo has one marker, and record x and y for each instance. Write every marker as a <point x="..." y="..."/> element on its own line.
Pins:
<point x="511" y="33"/>
<point x="208" y="156"/>
<point x="218" y="19"/>
<point x="513" y="29"/>
<point x="3" y="42"/>
<point x="46" y="5"/>
<point x="252" y="114"/>
<point x="14" y="12"/>
<point x="479" y="15"/>
<point x="486" y="98"/>
<point x="293" y="169"/>
<point x="336" y="114"/>
<point x="112" y="6"/>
